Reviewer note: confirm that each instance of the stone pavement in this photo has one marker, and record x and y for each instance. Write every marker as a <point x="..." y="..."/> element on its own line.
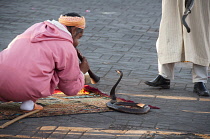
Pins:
<point x="120" y="34"/>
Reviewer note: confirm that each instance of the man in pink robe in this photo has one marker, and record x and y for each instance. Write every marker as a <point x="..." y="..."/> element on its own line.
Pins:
<point x="41" y="59"/>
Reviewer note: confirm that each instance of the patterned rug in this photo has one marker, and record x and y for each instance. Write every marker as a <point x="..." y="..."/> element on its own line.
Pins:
<point x="88" y="100"/>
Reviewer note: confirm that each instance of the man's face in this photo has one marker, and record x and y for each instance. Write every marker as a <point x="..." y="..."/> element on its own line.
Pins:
<point x="76" y="39"/>
<point x="76" y="36"/>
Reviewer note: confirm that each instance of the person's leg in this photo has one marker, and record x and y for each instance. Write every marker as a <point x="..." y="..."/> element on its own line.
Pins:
<point x="199" y="78"/>
<point x="166" y="72"/>
<point x="199" y="73"/>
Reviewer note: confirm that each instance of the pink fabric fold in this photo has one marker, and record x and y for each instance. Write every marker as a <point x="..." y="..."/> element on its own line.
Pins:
<point x="36" y="62"/>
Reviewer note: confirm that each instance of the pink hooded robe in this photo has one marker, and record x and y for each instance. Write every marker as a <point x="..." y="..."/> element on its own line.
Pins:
<point x="38" y="61"/>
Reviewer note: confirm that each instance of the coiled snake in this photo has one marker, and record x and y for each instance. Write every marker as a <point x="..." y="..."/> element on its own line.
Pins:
<point x="127" y="107"/>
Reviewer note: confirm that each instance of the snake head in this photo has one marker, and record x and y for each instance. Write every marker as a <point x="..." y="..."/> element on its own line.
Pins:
<point x="119" y="71"/>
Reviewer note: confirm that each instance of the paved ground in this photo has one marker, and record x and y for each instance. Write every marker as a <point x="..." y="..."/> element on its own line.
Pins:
<point x="120" y="34"/>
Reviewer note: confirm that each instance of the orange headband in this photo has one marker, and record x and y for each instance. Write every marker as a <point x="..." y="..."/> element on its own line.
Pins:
<point x="72" y="21"/>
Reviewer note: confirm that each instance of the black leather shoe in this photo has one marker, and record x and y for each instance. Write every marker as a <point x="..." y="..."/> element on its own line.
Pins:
<point x="159" y="81"/>
<point x="200" y="89"/>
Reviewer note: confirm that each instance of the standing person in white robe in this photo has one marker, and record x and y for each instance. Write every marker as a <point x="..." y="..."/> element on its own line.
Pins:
<point x="175" y="44"/>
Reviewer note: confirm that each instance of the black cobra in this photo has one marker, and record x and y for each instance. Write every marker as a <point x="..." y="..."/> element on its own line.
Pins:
<point x="127" y="107"/>
<point x="188" y="7"/>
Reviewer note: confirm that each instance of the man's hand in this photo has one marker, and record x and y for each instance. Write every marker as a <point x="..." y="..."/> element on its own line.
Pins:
<point x="84" y="66"/>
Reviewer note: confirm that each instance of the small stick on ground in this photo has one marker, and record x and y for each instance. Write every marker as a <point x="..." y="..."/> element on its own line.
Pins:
<point x="18" y="118"/>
